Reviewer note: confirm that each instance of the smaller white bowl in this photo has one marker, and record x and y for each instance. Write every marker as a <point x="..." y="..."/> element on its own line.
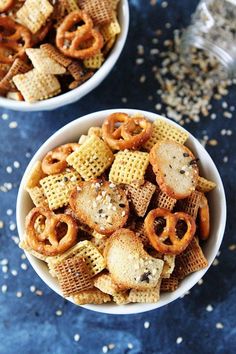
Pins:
<point x="71" y="132"/>
<point x="86" y="87"/>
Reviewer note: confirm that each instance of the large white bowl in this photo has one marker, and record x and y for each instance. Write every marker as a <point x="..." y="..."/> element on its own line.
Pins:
<point x="70" y="133"/>
<point x="92" y="83"/>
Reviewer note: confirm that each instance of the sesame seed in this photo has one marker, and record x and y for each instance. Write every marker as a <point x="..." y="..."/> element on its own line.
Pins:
<point x="225" y="159"/>
<point x="104" y="349"/>
<point x="219" y="325"/>
<point x="19" y="294"/>
<point x="16" y="164"/>
<point x="58" y="313"/>
<point x="39" y="292"/>
<point x="15" y="239"/>
<point x="1" y="224"/>
<point x="4" y="261"/>
<point x="32" y="288"/>
<point x="13" y="125"/>
<point x="4" y="288"/>
<point x="209" y="308"/>
<point x="12" y="226"/>
<point x="4" y="269"/>
<point x="139" y="61"/>
<point x="28" y="155"/>
<point x="111" y="346"/>
<point x="76" y="337"/>
<point x="130" y="346"/>
<point x="146" y="324"/>
<point x="179" y="340"/>
<point x="24" y="266"/>
<point x="232" y="247"/>
<point x="215" y="262"/>
<point x="158" y="106"/>
<point x="5" y="116"/>
<point x="124" y="100"/>
<point x="164" y="4"/>
<point x="200" y="282"/>
<point x="9" y="212"/>
<point x="9" y="169"/>
<point x="23" y="256"/>
<point x="14" y="272"/>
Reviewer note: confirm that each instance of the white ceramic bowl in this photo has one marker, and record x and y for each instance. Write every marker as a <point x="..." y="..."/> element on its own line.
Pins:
<point x="70" y="133"/>
<point x="92" y="83"/>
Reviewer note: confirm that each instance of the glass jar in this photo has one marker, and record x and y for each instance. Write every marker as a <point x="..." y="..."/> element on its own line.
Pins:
<point x="213" y="29"/>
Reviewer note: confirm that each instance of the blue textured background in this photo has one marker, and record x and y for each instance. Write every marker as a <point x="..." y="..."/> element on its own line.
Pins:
<point x="29" y="324"/>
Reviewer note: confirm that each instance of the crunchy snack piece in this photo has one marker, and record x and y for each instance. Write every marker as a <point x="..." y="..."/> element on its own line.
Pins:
<point x="101" y="205"/>
<point x="24" y="246"/>
<point x="35" y="175"/>
<point x="169" y="265"/>
<point x="129" y="265"/>
<point x="191" y="204"/>
<point x="139" y="231"/>
<point x="175" y="167"/>
<point x="106" y="284"/>
<point x="165" y="238"/>
<point x="191" y="260"/>
<point x="162" y="200"/>
<point x="121" y="298"/>
<point x="73" y="276"/>
<point x="108" y="46"/>
<point x="111" y="29"/>
<point x="129" y="167"/>
<point x="145" y="296"/>
<point x="18" y="67"/>
<point x="100" y="243"/>
<point x="204" y="218"/>
<point x="79" y="73"/>
<point x="141" y="196"/>
<point x="92" y="158"/>
<point x="16" y="96"/>
<point x="84" y="249"/>
<point x="114" y="4"/>
<point x="57" y="188"/>
<point x="43" y="63"/>
<point x="99" y="10"/>
<point x="36" y="86"/>
<point x="204" y="185"/>
<point x="93" y="296"/>
<point x="15" y="38"/>
<point x="34" y="13"/>
<point x="95" y="131"/>
<point x="50" y="241"/>
<point x="5" y="5"/>
<point x="94" y="62"/>
<point x="38" y="197"/>
<point x="71" y="5"/>
<point x="165" y="131"/>
<point x="54" y="54"/>
<point x="169" y="284"/>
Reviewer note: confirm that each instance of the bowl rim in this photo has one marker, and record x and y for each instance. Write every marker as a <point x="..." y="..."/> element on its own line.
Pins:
<point x="192" y="279"/>
<point x="89" y="85"/>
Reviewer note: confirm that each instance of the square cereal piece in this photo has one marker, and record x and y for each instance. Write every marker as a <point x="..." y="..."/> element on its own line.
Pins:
<point x="35" y="175"/>
<point x="99" y="10"/>
<point x="121" y="297"/>
<point x="36" y="86"/>
<point x="141" y="196"/>
<point x="114" y="4"/>
<point x="38" y="197"/>
<point x="165" y="131"/>
<point x="169" y="284"/>
<point x="139" y="230"/>
<point x="57" y="188"/>
<point x="54" y="53"/>
<point x="92" y="296"/>
<point x="105" y="283"/>
<point x="191" y="204"/>
<point x="94" y="62"/>
<point x="92" y="158"/>
<point x="129" y="167"/>
<point x="34" y="14"/>
<point x="18" y="67"/>
<point x="71" y="5"/>
<point x="73" y="276"/>
<point x="145" y="296"/>
<point x="189" y="261"/>
<point x="43" y="63"/>
<point x="111" y="29"/>
<point x="162" y="200"/>
<point x="84" y="249"/>
<point x="204" y="185"/>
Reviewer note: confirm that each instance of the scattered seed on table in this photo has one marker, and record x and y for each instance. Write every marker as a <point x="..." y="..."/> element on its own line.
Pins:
<point x="179" y="340"/>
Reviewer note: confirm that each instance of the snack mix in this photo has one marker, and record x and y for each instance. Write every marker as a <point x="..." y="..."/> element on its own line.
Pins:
<point x="48" y="47"/>
<point x="121" y="215"/>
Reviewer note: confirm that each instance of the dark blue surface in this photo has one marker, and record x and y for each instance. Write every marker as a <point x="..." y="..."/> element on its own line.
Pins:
<point x="29" y="324"/>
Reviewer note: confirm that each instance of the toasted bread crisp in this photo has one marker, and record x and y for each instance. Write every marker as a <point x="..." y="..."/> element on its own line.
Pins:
<point x="129" y="265"/>
<point x="101" y="205"/>
<point x="175" y="167"/>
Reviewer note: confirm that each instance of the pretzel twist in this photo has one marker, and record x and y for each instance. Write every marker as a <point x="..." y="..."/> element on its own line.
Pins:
<point x="49" y="242"/>
<point x="11" y="37"/>
<point x="6" y="5"/>
<point x="167" y="241"/>
<point x="130" y="134"/>
<point x="204" y="218"/>
<point x="71" y="36"/>
<point x="55" y="160"/>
